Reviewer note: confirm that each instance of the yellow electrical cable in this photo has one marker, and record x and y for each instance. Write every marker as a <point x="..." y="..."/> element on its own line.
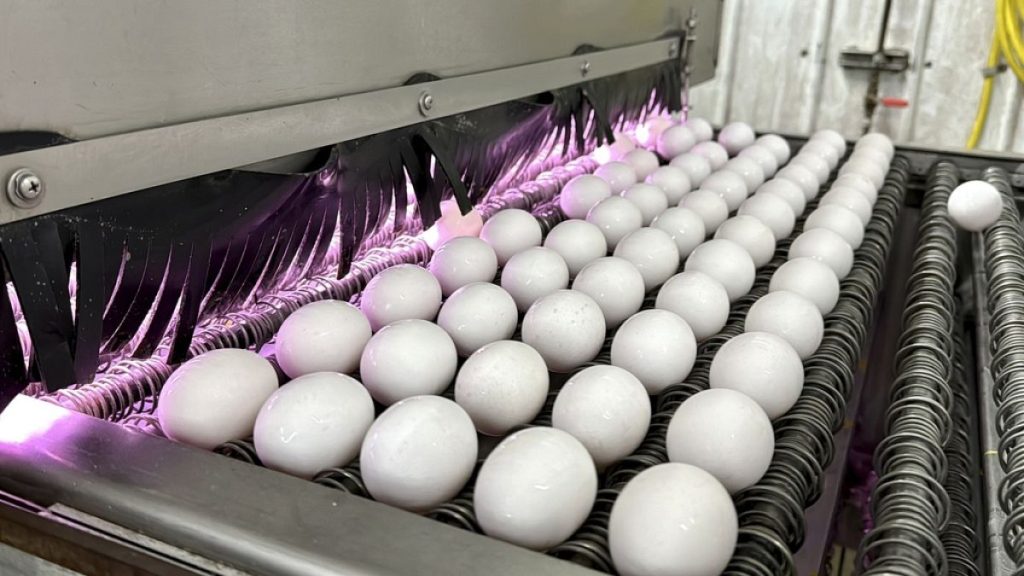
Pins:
<point x="1007" y="45"/>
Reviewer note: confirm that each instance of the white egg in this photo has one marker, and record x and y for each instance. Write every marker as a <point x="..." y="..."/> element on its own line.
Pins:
<point x="615" y="284"/>
<point x="644" y="162"/>
<point x="839" y="219"/>
<point x="724" y="433"/>
<point x="607" y="409"/>
<point x="763" y="156"/>
<point x="833" y="139"/>
<point x="685" y="226"/>
<point x="802" y="177"/>
<point x="851" y="200"/>
<point x="697" y="167"/>
<point x="325" y="336"/>
<point x="823" y="150"/>
<point x="532" y="274"/>
<point x="866" y="168"/>
<point x="877" y="140"/>
<point x="535" y="489"/>
<point x="616" y="150"/>
<point x="673" y="181"/>
<point x="478" y="314"/>
<point x="764" y="367"/>
<point x="809" y="278"/>
<point x="655" y="127"/>
<point x="675" y="141"/>
<point x="453" y="224"/>
<point x="215" y="397"/>
<point x="619" y="175"/>
<point x="578" y="242"/>
<point x="727" y="262"/>
<point x="788" y="191"/>
<point x="654" y="254"/>
<point x="581" y="194"/>
<point x="501" y="386"/>
<point x="697" y="298"/>
<point x="815" y="164"/>
<point x="648" y="198"/>
<point x="511" y="231"/>
<point x="701" y="128"/>
<point x="789" y="316"/>
<point x="777" y="145"/>
<point x="858" y="182"/>
<point x="401" y="292"/>
<point x="408" y="358"/>
<point x="752" y="235"/>
<point x="748" y="169"/>
<point x="825" y="246"/>
<point x="715" y="153"/>
<point x="672" y="520"/>
<point x="313" y="423"/>
<point x="735" y="137"/>
<point x="975" y="205"/>
<point x="566" y="327"/>
<point x="729" y="185"/>
<point x="656" y="346"/>
<point x="615" y="217"/>
<point x="711" y="208"/>
<point x="771" y="209"/>
<point x="462" y="261"/>
<point x="873" y="155"/>
<point x="419" y="453"/>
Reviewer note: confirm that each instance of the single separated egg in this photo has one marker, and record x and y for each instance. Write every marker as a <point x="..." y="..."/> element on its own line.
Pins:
<point x="578" y="242"/>
<point x="215" y="397"/>
<point x="532" y="274"/>
<point x="581" y="194"/>
<point x="764" y="367"/>
<point x="315" y="422"/>
<point x="975" y="205"/>
<point x="654" y="254"/>
<point x="566" y="327"/>
<point x="419" y="453"/>
<point x="656" y="346"/>
<point x="501" y="386"/>
<point x="697" y="298"/>
<point x="724" y="433"/>
<point x="510" y="232"/>
<point x="789" y="316"/>
<point x="461" y="261"/>
<point x="607" y="409"/>
<point x="535" y="489"/>
<point x="809" y="278"/>
<point x="478" y="314"/>
<point x="727" y="262"/>
<point x="615" y="217"/>
<point x="403" y="292"/>
<point x="672" y="520"/>
<point x="615" y="285"/>
<point x="325" y="336"/>
<point x="408" y="358"/>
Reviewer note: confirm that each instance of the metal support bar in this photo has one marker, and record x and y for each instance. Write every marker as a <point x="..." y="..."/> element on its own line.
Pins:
<point x="888" y="60"/>
<point x="92" y="170"/>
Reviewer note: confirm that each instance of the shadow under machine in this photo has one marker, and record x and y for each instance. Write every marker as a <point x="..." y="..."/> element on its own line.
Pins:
<point x="181" y="178"/>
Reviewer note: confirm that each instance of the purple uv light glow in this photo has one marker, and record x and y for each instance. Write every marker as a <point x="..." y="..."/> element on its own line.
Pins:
<point x="26" y="418"/>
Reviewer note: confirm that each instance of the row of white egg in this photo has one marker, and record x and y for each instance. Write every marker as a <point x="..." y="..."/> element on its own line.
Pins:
<point x="448" y="287"/>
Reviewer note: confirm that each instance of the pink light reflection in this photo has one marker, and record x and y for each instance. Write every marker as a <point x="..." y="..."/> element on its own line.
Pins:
<point x="27" y="418"/>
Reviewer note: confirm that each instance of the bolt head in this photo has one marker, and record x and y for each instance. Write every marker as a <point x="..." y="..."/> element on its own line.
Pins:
<point x="29" y="187"/>
<point x="584" y="68"/>
<point x="428" y="101"/>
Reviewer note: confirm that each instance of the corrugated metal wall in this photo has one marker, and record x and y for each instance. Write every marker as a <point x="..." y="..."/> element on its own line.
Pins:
<point x="778" y="69"/>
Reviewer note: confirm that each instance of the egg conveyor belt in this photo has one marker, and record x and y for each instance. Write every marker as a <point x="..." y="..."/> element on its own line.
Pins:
<point x="773" y="530"/>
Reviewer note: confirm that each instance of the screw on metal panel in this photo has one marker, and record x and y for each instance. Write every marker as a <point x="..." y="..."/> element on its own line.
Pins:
<point x="585" y="68"/>
<point x="673" y="49"/>
<point x="25" y="189"/>
<point x="426" y="103"/>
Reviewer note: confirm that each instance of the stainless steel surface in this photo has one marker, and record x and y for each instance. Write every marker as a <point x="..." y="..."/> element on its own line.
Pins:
<point x="253" y="519"/>
<point x="83" y="172"/>
<point x="995" y="518"/>
<point x="106" y="69"/>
